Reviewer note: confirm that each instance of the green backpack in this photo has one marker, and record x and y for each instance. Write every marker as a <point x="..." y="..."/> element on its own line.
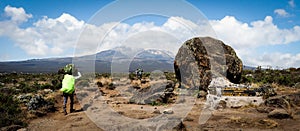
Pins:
<point x="68" y="84"/>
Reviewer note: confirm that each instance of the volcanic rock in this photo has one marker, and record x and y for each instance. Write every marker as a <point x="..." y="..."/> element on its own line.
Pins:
<point x="278" y="101"/>
<point x="279" y="114"/>
<point x="156" y="111"/>
<point x="168" y="111"/>
<point x="201" y="58"/>
<point x="158" y="92"/>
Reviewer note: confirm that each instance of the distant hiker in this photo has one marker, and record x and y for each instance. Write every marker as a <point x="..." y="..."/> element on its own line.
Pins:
<point x="68" y="86"/>
<point x="139" y="73"/>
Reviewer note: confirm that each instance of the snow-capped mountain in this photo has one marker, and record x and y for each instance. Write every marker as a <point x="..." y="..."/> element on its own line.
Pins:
<point x="155" y="54"/>
<point x="148" y="59"/>
<point x="136" y="54"/>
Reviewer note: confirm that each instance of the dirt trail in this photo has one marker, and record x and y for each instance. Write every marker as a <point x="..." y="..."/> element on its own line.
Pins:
<point x="225" y="119"/>
<point x="76" y="121"/>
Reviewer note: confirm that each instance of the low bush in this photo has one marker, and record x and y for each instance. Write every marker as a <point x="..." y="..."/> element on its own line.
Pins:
<point x="287" y="77"/>
<point x="10" y="111"/>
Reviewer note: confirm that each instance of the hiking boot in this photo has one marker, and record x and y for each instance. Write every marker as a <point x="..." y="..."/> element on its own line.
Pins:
<point x="72" y="110"/>
<point x="65" y="112"/>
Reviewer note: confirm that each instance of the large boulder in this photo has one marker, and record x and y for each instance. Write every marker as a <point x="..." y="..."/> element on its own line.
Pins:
<point x="200" y="59"/>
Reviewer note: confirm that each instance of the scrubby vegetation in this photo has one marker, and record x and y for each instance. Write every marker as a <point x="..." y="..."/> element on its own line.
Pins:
<point x="13" y="85"/>
<point x="286" y="77"/>
<point x="10" y="111"/>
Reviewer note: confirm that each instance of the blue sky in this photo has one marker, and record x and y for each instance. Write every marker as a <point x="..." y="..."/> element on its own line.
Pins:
<point x="263" y="32"/>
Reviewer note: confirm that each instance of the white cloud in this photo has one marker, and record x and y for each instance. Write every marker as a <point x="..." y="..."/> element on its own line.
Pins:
<point x="17" y="14"/>
<point x="245" y="38"/>
<point x="292" y="3"/>
<point x="276" y="59"/>
<point x="55" y="36"/>
<point x="168" y="36"/>
<point x="258" y="33"/>
<point x="47" y="37"/>
<point x="281" y="13"/>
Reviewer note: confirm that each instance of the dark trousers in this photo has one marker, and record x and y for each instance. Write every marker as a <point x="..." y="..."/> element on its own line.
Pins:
<point x="66" y="100"/>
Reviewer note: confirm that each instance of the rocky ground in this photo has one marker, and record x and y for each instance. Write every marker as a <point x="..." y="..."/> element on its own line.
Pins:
<point x="280" y="112"/>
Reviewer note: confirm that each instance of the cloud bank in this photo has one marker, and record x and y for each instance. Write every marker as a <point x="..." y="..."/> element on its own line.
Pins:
<point x="57" y="36"/>
<point x="47" y="36"/>
<point x="245" y="38"/>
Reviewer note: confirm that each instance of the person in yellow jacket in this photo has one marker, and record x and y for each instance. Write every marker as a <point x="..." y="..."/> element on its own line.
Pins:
<point x="68" y="88"/>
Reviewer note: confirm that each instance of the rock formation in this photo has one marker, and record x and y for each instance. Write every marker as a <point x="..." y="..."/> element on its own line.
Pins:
<point x="202" y="58"/>
<point x="158" y="93"/>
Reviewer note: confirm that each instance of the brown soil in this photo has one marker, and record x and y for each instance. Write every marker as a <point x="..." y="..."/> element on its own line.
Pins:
<point x="246" y="118"/>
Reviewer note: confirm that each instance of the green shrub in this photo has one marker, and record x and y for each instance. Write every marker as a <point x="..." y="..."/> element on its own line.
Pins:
<point x="99" y="84"/>
<point x="105" y="75"/>
<point x="132" y="76"/>
<point x="170" y="76"/>
<point x="46" y="86"/>
<point x="83" y="83"/>
<point x="25" y="88"/>
<point x="146" y="74"/>
<point x="10" y="112"/>
<point x="111" y="86"/>
<point x="282" y="77"/>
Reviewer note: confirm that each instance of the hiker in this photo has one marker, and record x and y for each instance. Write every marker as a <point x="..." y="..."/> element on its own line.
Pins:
<point x="139" y="73"/>
<point x="68" y="86"/>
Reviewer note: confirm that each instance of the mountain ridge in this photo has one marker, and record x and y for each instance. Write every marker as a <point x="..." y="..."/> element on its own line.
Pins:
<point x="148" y="59"/>
<point x="103" y="61"/>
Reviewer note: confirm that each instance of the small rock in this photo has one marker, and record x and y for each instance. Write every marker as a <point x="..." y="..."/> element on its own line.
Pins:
<point x="188" y="119"/>
<point x="156" y="112"/>
<point x="143" y="81"/>
<point x="47" y="91"/>
<point x="202" y="94"/>
<point x="239" y="104"/>
<point x="297" y="85"/>
<point x="222" y="104"/>
<point x="22" y="129"/>
<point x="279" y="114"/>
<point x="269" y="123"/>
<point x="168" y="111"/>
